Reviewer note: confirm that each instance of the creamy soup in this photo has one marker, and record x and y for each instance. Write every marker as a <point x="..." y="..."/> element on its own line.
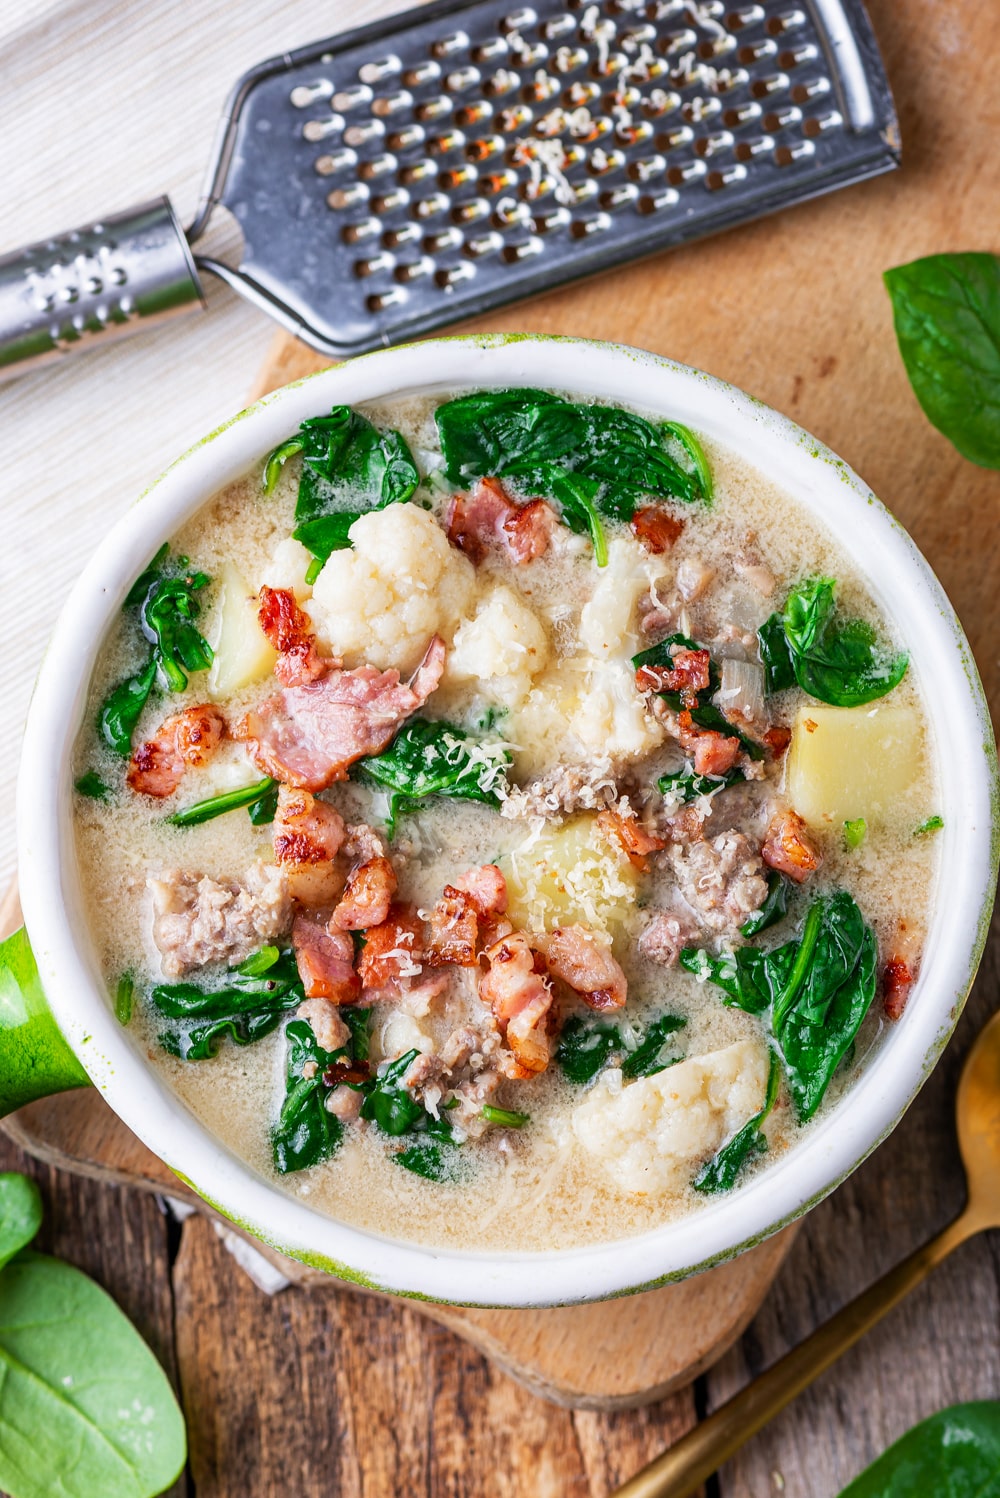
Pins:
<point x="508" y="822"/>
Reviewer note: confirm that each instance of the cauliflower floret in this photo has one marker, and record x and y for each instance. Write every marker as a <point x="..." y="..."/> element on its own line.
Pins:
<point x="288" y="567"/>
<point x="612" y="717"/>
<point x="650" y="1134"/>
<point x="398" y="1034"/>
<point x="400" y="583"/>
<point x="608" y="616"/>
<point x="503" y="647"/>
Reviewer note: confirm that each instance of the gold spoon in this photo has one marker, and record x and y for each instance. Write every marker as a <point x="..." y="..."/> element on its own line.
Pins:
<point x="680" y="1471"/>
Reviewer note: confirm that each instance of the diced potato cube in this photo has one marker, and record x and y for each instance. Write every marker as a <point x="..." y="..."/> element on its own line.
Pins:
<point x="243" y="653"/>
<point x="568" y="874"/>
<point x="849" y="762"/>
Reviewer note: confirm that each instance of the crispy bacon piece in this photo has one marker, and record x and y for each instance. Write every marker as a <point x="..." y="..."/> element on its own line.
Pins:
<point x="454" y="934"/>
<point x="897" y="980"/>
<point x="521" y="1000"/>
<point x="183" y="741"/>
<point x="488" y="517"/>
<point x="325" y="960"/>
<point x="656" y="528"/>
<point x="289" y="631"/>
<point x="393" y="950"/>
<point x="487" y="888"/>
<point x="777" y="740"/>
<point x="689" y="675"/>
<point x="346" y="1071"/>
<point x="635" y="841"/>
<point x="714" y="752"/>
<point x="306" y="836"/>
<point x="368" y="896"/>
<point x="307" y="736"/>
<point x="586" y="964"/>
<point x="788" y="847"/>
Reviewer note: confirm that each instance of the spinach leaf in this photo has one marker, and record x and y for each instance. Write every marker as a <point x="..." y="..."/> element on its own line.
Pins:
<point x="167" y="608"/>
<point x="750" y="978"/>
<point x="818" y="987"/>
<point x="20" y="1214"/>
<point x="855" y="832"/>
<point x="946" y="310"/>
<point x="840" y="663"/>
<point x="250" y="796"/>
<point x="265" y="808"/>
<point x="436" y="759"/>
<point x="505" y="1118"/>
<point x="776" y="658"/>
<point x="124" y="998"/>
<point x="691" y="787"/>
<point x="356" y="1020"/>
<point x="391" y="1106"/>
<point x="348" y="467"/>
<point x="720" y="1173"/>
<point x="585" y="1047"/>
<point x="87" y="1408"/>
<point x="306" y="1131"/>
<point x="953" y="1454"/>
<point x="932" y="824"/>
<point x="774" y="908"/>
<point x="829" y="991"/>
<point x="122" y="708"/>
<point x="695" y="454"/>
<point x="575" y="496"/>
<point x="91" y="785"/>
<point x="647" y="1059"/>
<point x="248" y="1006"/>
<point x="524" y="433"/>
<point x="434" y="1152"/>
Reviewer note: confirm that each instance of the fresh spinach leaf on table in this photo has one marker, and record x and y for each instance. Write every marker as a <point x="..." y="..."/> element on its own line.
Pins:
<point x="720" y="1173"/>
<point x="946" y="310"/>
<point x="246" y="1006"/>
<point x="348" y="468"/>
<point x="532" y="436"/>
<point x="20" y="1214"/>
<point x="818" y="987"/>
<point x="953" y="1454"/>
<point x="841" y="662"/>
<point x="436" y="758"/>
<point x="647" y="1058"/>
<point x="87" y="1408"/>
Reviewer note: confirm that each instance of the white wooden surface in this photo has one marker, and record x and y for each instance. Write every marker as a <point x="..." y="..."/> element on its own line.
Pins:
<point x="104" y="103"/>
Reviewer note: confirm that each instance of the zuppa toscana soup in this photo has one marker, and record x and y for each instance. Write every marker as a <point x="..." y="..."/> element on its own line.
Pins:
<point x="507" y="820"/>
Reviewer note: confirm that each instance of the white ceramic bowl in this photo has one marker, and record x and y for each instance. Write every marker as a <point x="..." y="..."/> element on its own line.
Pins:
<point x="902" y="582"/>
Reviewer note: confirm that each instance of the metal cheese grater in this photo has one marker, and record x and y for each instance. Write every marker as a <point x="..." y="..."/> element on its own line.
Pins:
<point x="461" y="155"/>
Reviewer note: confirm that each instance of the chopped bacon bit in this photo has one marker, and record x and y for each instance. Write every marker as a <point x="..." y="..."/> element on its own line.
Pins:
<point x="347" y="1071"/>
<point x="182" y="741"/>
<point x="789" y="849"/>
<point x="634" y="840"/>
<point x="897" y="980"/>
<point x="777" y="740"/>
<point x="325" y="960"/>
<point x="656" y="528"/>
<point x="308" y="735"/>
<point x="520" y="999"/>
<point x="289" y="631"/>
<point x="487" y="888"/>
<point x="690" y="674"/>
<point x="489" y="517"/>
<point x="714" y="752"/>
<point x="585" y="963"/>
<point x="454" y="923"/>
<point x="366" y="900"/>
<point x="306" y="837"/>
<point x="392" y="950"/>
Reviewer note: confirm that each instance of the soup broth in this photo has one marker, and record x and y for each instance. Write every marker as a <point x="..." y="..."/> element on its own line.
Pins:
<point x="523" y="943"/>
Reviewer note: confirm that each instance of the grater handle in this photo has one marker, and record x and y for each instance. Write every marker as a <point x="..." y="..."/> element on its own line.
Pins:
<point x="87" y="287"/>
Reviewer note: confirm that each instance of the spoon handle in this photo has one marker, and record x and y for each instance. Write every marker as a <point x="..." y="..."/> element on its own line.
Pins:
<point x="679" y="1471"/>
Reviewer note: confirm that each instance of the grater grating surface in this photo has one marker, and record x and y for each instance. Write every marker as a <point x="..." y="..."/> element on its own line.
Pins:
<point x="462" y="155"/>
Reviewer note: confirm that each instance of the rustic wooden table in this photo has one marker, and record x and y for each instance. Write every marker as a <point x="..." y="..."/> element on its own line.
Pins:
<point x="310" y="1393"/>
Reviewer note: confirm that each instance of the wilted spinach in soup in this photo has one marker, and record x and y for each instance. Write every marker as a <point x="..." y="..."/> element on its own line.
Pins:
<point x="507" y="823"/>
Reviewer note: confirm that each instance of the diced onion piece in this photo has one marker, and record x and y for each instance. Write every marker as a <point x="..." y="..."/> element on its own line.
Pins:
<point x="742" y="690"/>
<point x="243" y="653"/>
<point x="845" y="763"/>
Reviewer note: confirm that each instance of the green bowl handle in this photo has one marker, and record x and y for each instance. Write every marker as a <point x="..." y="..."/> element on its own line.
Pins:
<point x="35" y="1060"/>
